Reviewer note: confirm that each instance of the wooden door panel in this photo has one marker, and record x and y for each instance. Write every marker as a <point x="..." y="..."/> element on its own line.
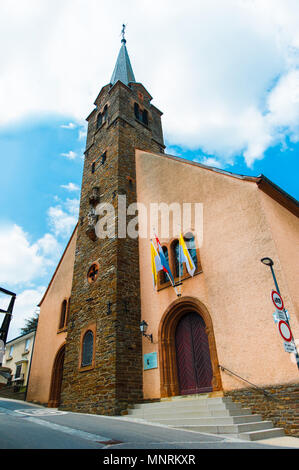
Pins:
<point x="193" y="355"/>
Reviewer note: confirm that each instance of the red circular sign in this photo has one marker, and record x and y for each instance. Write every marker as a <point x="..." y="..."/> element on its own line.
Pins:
<point x="285" y="331"/>
<point x="277" y="300"/>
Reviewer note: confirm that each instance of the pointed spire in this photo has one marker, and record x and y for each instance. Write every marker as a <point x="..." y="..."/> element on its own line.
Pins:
<point x="123" y="70"/>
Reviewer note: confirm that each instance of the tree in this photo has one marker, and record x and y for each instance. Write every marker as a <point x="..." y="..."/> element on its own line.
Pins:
<point x="30" y="324"/>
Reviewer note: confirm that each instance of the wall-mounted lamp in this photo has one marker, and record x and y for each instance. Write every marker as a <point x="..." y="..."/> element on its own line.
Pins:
<point x="143" y="329"/>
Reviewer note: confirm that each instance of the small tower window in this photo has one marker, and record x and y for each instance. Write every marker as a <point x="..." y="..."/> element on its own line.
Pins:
<point x="137" y="111"/>
<point x="99" y="120"/>
<point x="87" y="349"/>
<point x="93" y="167"/>
<point x="103" y="158"/>
<point x="105" y="113"/>
<point x="141" y="115"/>
<point x="145" y="117"/>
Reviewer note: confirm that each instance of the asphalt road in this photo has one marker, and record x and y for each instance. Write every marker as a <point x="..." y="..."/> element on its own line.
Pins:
<point x="24" y="426"/>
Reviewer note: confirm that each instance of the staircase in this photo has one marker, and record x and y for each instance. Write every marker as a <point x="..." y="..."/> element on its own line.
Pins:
<point x="218" y="415"/>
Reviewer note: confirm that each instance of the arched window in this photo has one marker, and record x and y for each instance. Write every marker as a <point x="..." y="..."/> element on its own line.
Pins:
<point x="63" y="314"/>
<point x="105" y="113"/>
<point x="163" y="276"/>
<point x="190" y="244"/>
<point x="99" y="120"/>
<point x="87" y="349"/>
<point x="136" y="111"/>
<point x="145" y="117"/>
<point x="178" y="267"/>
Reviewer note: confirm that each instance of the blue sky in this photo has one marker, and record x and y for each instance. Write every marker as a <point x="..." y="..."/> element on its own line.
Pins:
<point x="224" y="72"/>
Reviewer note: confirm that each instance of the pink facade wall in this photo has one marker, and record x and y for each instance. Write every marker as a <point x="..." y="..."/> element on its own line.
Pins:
<point x="48" y="340"/>
<point x="235" y="286"/>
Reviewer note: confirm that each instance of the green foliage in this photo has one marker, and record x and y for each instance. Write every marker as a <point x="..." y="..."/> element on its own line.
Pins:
<point x="30" y="324"/>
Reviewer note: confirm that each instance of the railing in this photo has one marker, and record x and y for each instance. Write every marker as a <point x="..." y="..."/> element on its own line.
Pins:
<point x="266" y="394"/>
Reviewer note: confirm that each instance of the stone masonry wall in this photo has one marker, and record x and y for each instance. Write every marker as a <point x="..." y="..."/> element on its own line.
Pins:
<point x="110" y="305"/>
<point x="282" y="407"/>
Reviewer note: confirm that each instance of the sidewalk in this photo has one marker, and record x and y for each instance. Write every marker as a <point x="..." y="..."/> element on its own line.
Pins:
<point x="284" y="441"/>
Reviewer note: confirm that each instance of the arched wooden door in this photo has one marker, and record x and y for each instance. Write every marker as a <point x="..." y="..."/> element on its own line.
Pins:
<point x="194" y="366"/>
<point x="56" y="382"/>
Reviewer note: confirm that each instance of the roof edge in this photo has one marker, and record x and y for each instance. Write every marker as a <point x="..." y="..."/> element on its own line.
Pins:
<point x="263" y="183"/>
<point x="58" y="265"/>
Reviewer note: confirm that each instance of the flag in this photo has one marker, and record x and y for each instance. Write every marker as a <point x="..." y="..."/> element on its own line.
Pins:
<point x="156" y="263"/>
<point x="164" y="261"/>
<point x="185" y="257"/>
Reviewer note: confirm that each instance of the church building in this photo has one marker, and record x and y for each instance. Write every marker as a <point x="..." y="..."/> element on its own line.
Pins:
<point x="213" y="332"/>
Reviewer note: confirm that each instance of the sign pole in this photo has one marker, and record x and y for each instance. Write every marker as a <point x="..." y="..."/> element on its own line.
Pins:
<point x="269" y="262"/>
<point x="279" y="304"/>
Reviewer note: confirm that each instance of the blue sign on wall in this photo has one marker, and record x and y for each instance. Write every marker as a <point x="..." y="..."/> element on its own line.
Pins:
<point x="150" y="361"/>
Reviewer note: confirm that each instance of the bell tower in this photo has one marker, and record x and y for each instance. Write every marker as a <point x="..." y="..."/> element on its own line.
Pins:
<point x="103" y="358"/>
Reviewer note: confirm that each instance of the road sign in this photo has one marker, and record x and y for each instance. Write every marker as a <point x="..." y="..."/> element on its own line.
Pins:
<point x="285" y="331"/>
<point x="281" y="315"/>
<point x="289" y="347"/>
<point x="277" y="300"/>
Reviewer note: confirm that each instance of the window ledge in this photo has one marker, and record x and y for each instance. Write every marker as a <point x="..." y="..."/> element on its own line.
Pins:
<point x="142" y="123"/>
<point x="62" y="330"/>
<point x="9" y="359"/>
<point x="84" y="368"/>
<point x="99" y="128"/>
<point x="176" y="279"/>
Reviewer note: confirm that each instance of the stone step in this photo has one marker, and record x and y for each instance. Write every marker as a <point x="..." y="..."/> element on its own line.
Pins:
<point x="181" y="413"/>
<point x="203" y="403"/>
<point x="215" y="421"/>
<point x="237" y="429"/>
<point x="262" y="434"/>
<point x="187" y="402"/>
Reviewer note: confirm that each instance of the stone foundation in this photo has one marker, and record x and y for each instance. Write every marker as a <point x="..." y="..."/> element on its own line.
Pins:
<point x="281" y="406"/>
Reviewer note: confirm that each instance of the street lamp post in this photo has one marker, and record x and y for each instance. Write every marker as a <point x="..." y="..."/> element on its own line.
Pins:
<point x="269" y="262"/>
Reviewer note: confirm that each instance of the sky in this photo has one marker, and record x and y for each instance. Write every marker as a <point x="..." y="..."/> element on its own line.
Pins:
<point x="225" y="73"/>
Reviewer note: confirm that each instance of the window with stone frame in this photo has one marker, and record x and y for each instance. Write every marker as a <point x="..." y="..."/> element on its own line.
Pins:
<point x="141" y="114"/>
<point x="99" y="120"/>
<point x="87" y="349"/>
<point x="102" y="117"/>
<point x="62" y="322"/>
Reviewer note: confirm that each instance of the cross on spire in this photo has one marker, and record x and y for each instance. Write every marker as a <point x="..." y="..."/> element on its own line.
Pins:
<point x="123" y="70"/>
<point x="123" y="33"/>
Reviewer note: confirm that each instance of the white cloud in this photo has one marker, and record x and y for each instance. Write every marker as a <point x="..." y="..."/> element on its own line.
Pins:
<point x="209" y="161"/>
<point x="82" y="133"/>
<point x="223" y="72"/>
<point x="22" y="261"/>
<point x="71" y="187"/>
<point x="24" y="308"/>
<point x="71" y="125"/>
<point x="70" y="155"/>
<point x="63" y="217"/>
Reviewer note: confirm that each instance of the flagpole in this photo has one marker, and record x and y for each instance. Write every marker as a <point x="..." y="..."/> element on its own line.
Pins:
<point x="173" y="285"/>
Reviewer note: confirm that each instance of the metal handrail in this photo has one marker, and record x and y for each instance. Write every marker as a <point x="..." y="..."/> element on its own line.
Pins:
<point x="267" y="394"/>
